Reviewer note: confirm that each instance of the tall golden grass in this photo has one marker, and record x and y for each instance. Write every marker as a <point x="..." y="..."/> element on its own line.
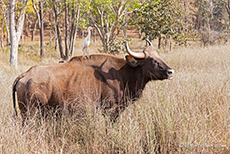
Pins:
<point x="189" y="114"/>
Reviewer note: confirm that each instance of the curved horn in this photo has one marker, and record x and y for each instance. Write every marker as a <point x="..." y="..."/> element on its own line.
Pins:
<point x="147" y="40"/>
<point x="134" y="54"/>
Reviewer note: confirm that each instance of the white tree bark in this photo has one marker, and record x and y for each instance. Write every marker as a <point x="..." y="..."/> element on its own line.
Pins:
<point x="15" y="32"/>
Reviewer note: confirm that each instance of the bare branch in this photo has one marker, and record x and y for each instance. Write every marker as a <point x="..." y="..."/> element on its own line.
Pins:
<point x="96" y="26"/>
<point x="36" y="10"/>
<point x="22" y="9"/>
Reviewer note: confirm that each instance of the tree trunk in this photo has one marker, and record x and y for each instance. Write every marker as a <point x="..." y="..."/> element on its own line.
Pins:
<point x="26" y="29"/>
<point x="139" y="33"/>
<point x="34" y="29"/>
<point x="79" y="33"/>
<point x="22" y="39"/>
<point x="159" y="42"/>
<point x="125" y="26"/>
<point x="40" y="23"/>
<point x="56" y="19"/>
<point x="106" y="49"/>
<point x="170" y="43"/>
<point x="54" y="30"/>
<point x="8" y="34"/>
<point x="73" y="33"/>
<point x="41" y="29"/>
<point x="15" y="34"/>
<point x="56" y="39"/>
<point x="59" y="40"/>
<point x="2" y="45"/>
<point x="66" y="29"/>
<point x="50" y="38"/>
<point x="94" y="36"/>
<point x="13" y="39"/>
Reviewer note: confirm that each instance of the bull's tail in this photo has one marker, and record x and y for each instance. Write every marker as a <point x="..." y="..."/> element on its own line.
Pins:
<point x="13" y="93"/>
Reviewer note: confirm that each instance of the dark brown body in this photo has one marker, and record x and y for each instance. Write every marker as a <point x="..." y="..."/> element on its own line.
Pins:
<point x="107" y="81"/>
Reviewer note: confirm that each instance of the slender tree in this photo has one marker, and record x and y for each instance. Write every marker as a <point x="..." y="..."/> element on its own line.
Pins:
<point x="74" y="22"/>
<point x="1" y="41"/>
<point x="72" y="15"/>
<point x="41" y="29"/>
<point x="108" y="17"/>
<point x="15" y="29"/>
<point x="39" y="13"/>
<point x="67" y="17"/>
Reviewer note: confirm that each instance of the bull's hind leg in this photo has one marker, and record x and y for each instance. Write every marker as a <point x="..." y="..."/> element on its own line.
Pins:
<point x="22" y="104"/>
<point x="23" y="111"/>
<point x="33" y="105"/>
<point x="39" y="102"/>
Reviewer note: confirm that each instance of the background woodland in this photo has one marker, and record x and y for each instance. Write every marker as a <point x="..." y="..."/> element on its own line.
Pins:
<point x="60" y="23"/>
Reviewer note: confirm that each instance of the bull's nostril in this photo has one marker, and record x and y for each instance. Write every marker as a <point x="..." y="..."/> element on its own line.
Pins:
<point x="170" y="71"/>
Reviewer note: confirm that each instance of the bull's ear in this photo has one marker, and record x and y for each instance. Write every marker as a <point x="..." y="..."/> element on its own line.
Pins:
<point x="131" y="61"/>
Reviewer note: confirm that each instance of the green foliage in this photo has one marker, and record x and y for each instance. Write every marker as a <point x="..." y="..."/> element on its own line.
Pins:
<point x="84" y="6"/>
<point x="29" y="7"/>
<point x="161" y="19"/>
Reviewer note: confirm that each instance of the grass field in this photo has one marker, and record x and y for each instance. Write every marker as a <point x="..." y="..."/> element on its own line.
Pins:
<point x="189" y="114"/>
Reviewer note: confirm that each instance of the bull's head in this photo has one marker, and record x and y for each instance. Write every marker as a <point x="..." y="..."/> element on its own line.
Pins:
<point x="152" y="64"/>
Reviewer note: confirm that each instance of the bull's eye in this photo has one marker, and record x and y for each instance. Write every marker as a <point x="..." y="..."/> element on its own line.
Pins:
<point x="159" y="66"/>
<point x="155" y="62"/>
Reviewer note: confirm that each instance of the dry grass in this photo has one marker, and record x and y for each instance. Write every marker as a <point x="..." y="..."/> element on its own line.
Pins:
<point x="189" y="114"/>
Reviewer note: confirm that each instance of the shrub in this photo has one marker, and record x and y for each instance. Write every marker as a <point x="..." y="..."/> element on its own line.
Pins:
<point x="117" y="46"/>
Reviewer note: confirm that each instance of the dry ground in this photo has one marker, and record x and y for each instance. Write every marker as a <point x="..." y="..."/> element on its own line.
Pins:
<point x="189" y="114"/>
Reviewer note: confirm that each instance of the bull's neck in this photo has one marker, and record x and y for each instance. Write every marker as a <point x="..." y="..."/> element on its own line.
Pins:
<point x="141" y="78"/>
<point x="137" y="81"/>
